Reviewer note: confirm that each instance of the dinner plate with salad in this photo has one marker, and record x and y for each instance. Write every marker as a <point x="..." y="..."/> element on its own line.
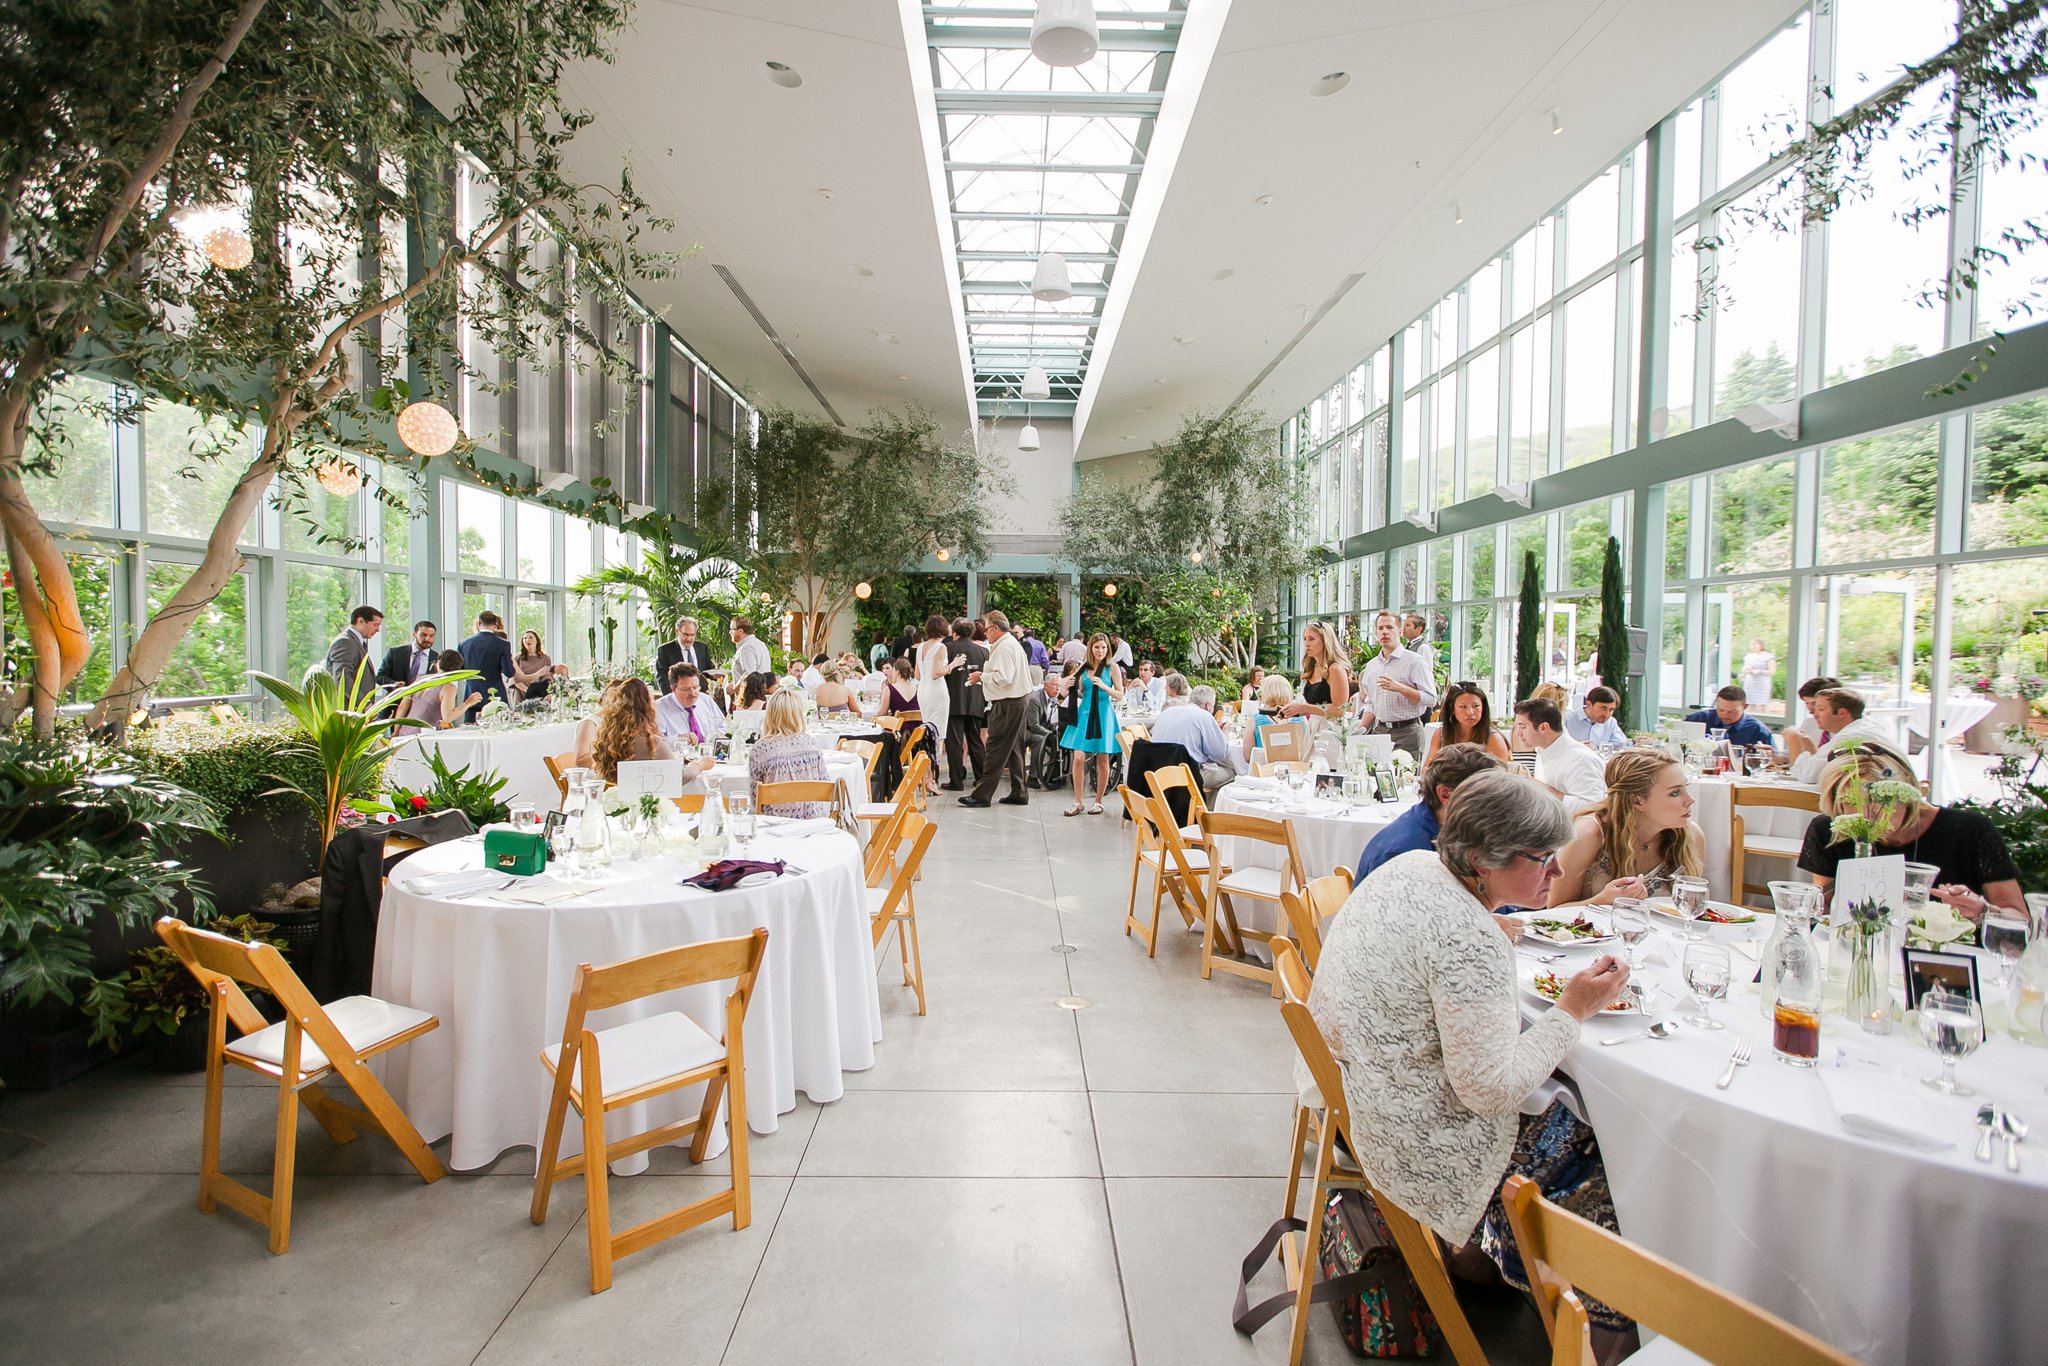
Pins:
<point x="1566" y="927"/>
<point x="1717" y="912"/>
<point x="1547" y="985"/>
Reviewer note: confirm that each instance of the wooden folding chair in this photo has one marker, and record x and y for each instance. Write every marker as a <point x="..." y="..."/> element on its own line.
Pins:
<point x="870" y="752"/>
<point x="789" y="793"/>
<point x="1564" y="1254"/>
<point x="558" y="766"/>
<point x="1331" y="1123"/>
<point x="894" y="905"/>
<point x="1310" y="907"/>
<point x="690" y="803"/>
<point x="1255" y="884"/>
<point x="309" y="1043"/>
<point x="1742" y="844"/>
<point x="1178" y="867"/>
<point x="903" y="798"/>
<point x="602" y="1070"/>
<point x="1278" y="769"/>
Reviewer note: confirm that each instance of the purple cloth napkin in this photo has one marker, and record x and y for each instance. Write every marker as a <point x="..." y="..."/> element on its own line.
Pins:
<point x="725" y="874"/>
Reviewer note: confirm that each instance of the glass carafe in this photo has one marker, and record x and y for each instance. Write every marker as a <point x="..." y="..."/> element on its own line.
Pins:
<point x="1796" y="903"/>
<point x="711" y="825"/>
<point x="593" y="831"/>
<point x="2029" y="999"/>
<point x="1791" y="966"/>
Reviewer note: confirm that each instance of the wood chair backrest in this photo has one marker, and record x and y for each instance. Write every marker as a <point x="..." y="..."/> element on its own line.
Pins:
<point x="918" y="832"/>
<point x="690" y="803"/>
<point x="1264" y="829"/>
<point x="1563" y="1253"/>
<point x="1293" y="977"/>
<point x="1788" y="798"/>
<point x="914" y="773"/>
<point x="219" y="962"/>
<point x="881" y="851"/>
<point x="1309" y="908"/>
<point x="1347" y="873"/>
<point x="781" y="794"/>
<point x="911" y="740"/>
<point x="558" y="766"/>
<point x="870" y="753"/>
<point x="715" y="960"/>
<point x="1282" y="740"/>
<point x="1165" y="780"/>
<point x="1277" y="769"/>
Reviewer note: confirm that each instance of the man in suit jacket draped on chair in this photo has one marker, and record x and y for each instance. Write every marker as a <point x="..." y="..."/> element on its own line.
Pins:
<point x="346" y="655"/>
<point x="490" y="654"/>
<point x="410" y="663"/>
<point x="684" y="649"/>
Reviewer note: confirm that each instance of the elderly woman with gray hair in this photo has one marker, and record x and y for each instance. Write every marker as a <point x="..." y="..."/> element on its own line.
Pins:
<point x="1416" y="991"/>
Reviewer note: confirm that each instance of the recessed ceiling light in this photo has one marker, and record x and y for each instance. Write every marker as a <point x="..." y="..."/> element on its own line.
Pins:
<point x="1457" y="213"/>
<point x="856" y="268"/>
<point x="1159" y="381"/>
<point x="903" y="377"/>
<point x="882" y="335"/>
<point x="825" y="194"/>
<point x="1556" y="123"/>
<point x="1263" y="200"/>
<point x="1324" y="86"/>
<point x="1144" y="407"/>
<point x="1223" y="274"/>
<point x="1185" y="339"/>
<point x="782" y="74"/>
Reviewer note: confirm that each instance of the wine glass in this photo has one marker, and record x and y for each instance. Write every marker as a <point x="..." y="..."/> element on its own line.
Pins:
<point x="2005" y="934"/>
<point x="1953" y="1026"/>
<point x="1632" y="923"/>
<point x="1706" y="972"/>
<point x="1689" y="894"/>
<point x="1756" y="760"/>
<point x="739" y="812"/>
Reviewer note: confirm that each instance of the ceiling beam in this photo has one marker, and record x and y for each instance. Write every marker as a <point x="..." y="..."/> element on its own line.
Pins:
<point x="1091" y="258"/>
<point x="1135" y="104"/>
<point x="1012" y="38"/>
<point x="1025" y="14"/>
<point x="1036" y="320"/>
<point x="994" y="216"/>
<point x="1050" y="167"/>
<point x="1081" y="289"/>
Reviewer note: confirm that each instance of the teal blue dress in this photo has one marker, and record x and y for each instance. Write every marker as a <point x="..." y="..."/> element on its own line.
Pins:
<point x="1094" y="728"/>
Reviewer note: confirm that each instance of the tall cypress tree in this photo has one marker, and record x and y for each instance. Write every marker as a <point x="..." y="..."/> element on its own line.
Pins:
<point x="1528" y="630"/>
<point x="1613" y="639"/>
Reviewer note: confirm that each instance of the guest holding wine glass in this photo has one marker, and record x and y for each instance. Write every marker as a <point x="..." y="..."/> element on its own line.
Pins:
<point x="1325" y="677"/>
<point x="1642" y="829"/>
<point x="1468" y="720"/>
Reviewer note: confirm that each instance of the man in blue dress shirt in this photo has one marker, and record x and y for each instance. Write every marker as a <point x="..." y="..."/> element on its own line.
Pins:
<point x="1593" y="723"/>
<point x="1730" y="712"/>
<point x="1416" y="828"/>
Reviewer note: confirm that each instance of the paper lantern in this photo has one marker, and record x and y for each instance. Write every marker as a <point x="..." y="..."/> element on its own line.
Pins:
<point x="1109" y="590"/>
<point x="1194" y="557"/>
<point x="338" y="477"/>
<point x="944" y="554"/>
<point x="228" y="247"/>
<point x="863" y="590"/>
<point x="427" y="428"/>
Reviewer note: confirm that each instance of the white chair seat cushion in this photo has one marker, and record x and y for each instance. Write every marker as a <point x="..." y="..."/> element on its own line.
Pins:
<point x="1772" y="846"/>
<point x="1198" y="859"/>
<point x="1258" y="882"/>
<point x="1191" y="833"/>
<point x="873" y="811"/>
<point x="364" y="1021"/>
<point x="630" y="1056"/>
<point x="1665" y="1352"/>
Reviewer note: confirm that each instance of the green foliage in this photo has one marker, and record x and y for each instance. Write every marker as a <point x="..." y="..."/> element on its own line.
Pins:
<point x="157" y="993"/>
<point x="1614" y="627"/>
<point x="1529" y="629"/>
<point x="907" y="601"/>
<point x="1032" y="602"/>
<point x="82" y="835"/>
<point x="231" y="767"/>
<point x="2021" y="811"/>
<point x="348" y="742"/>
<point x="676" y="582"/>
<point x="475" y="795"/>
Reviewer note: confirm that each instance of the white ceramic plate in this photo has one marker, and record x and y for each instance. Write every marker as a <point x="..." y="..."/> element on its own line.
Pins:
<point x="1531" y="973"/>
<point x="1532" y="934"/>
<point x="757" y="879"/>
<point x="1665" y="907"/>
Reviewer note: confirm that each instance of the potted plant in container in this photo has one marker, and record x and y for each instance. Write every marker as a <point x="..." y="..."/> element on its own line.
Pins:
<point x="158" y="1005"/>
<point x="475" y="795"/>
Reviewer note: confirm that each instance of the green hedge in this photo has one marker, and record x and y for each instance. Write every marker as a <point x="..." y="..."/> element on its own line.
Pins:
<point x="230" y="766"/>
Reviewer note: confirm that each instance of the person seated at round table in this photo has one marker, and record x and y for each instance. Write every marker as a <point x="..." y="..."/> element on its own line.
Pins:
<point x="1554" y="694"/>
<point x="532" y="670"/>
<point x="586" y="729"/>
<point x="1417" y="827"/>
<point x="833" y="694"/>
<point x="1976" y="870"/>
<point x="1644" y="828"/>
<point x="1275" y="692"/>
<point x="1730" y="712"/>
<point x="1250" y="691"/>
<point x="899" y="693"/>
<point x="1417" y="992"/>
<point x="786" y="753"/>
<point x="1325" y="677"/>
<point x="444" y="706"/>
<point x="1468" y="720"/>
<point x="626" y="729"/>
<point x="752" y="705"/>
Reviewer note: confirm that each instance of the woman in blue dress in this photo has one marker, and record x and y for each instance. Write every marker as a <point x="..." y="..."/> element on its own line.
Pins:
<point x="1098" y="687"/>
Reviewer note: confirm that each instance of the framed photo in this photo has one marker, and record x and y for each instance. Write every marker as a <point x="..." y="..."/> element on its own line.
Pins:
<point x="1330" y="785"/>
<point x="1927" y="968"/>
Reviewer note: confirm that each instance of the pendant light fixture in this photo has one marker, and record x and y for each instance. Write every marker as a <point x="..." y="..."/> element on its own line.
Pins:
<point x="338" y="477"/>
<point x="1037" y="384"/>
<point x="228" y="247"/>
<point x="1027" y="440"/>
<point x="1049" y="279"/>
<point x="1063" y="32"/>
<point x="427" y="428"/>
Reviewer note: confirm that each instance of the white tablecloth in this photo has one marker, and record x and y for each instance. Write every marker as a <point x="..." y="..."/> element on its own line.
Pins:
<point x="1892" y="1254"/>
<point x="515" y="754"/>
<point x="1713" y="811"/>
<point x="1959" y="712"/>
<point x="499" y="976"/>
<point x="1328" y="835"/>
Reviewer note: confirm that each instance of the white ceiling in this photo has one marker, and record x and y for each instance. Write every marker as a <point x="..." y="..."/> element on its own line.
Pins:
<point x="1462" y="87"/>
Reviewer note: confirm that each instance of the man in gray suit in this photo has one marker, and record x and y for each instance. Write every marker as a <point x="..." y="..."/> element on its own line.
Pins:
<point x="346" y="655"/>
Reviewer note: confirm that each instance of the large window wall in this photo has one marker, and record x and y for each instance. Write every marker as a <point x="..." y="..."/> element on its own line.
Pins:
<point x="1520" y="387"/>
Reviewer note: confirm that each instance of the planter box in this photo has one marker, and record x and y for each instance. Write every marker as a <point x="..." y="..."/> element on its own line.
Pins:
<point x="1985" y="736"/>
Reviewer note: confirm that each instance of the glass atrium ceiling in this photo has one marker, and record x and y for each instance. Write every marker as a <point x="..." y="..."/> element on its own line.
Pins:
<point x="1041" y="158"/>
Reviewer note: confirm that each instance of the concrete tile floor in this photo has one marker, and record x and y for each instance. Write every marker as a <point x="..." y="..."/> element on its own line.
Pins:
<point x="1011" y="1182"/>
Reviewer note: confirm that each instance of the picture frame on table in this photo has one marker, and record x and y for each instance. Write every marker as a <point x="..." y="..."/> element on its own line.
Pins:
<point x="1330" y="785"/>
<point x="1928" y="968"/>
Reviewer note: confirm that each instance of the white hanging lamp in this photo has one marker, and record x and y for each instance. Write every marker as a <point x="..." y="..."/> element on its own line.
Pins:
<point x="1063" y="32"/>
<point x="1037" y="384"/>
<point x="1049" y="280"/>
<point x="1027" y="440"/>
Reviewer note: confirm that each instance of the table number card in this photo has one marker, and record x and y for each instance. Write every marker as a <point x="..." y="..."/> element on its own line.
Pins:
<point x="1881" y="878"/>
<point x="664" y="778"/>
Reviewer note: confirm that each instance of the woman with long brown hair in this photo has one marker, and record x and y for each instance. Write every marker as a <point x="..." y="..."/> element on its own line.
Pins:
<point x="1468" y="720"/>
<point x="1643" y="828"/>
<point x="626" y="730"/>
<point x="1098" y="687"/>
<point x="1325" y="676"/>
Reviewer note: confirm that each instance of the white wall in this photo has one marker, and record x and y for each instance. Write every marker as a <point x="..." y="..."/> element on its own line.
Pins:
<point x="1043" y="477"/>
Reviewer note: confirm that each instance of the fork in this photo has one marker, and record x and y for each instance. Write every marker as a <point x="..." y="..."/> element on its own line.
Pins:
<point x="1739" y="1058"/>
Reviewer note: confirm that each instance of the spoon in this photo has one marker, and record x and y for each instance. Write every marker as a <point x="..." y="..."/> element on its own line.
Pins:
<point x="1664" y="1029"/>
<point x="2015" y="1134"/>
<point x="1987" y="1124"/>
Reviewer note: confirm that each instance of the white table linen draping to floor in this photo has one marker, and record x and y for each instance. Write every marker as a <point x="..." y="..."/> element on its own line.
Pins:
<point x="499" y="977"/>
<point x="1895" y="1255"/>
<point x="516" y="755"/>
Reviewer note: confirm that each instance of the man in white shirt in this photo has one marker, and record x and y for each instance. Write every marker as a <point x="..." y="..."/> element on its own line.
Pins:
<point x="684" y="713"/>
<point x="1593" y="723"/>
<point x="1396" y="689"/>
<point x="1839" y="713"/>
<point x="1415" y="636"/>
<point x="1188" y="720"/>
<point x="1563" y="765"/>
<point x="812" y="680"/>
<point x="1005" y="681"/>
<point x="749" y="654"/>
<point x="1150" y="683"/>
<point x="1075" y="650"/>
<point x="1119" y="651"/>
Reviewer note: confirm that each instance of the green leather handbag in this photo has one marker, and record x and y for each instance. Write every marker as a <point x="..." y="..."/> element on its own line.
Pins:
<point x="523" y="852"/>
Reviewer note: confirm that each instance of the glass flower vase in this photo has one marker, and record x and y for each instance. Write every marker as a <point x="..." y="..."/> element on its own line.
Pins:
<point x="1870" y="992"/>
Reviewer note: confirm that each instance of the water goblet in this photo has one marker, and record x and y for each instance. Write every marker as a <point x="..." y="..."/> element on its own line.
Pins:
<point x="2005" y="934"/>
<point x="522" y="816"/>
<point x="1632" y="923"/>
<point x="739" y="812"/>
<point x="1953" y="1026"/>
<point x="1707" y="972"/>
<point x="1689" y="894"/>
<point x="1919" y="882"/>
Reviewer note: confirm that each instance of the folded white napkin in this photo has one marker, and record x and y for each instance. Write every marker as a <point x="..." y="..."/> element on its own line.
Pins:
<point x="1881" y="1106"/>
<point x="1255" y="786"/>
<point x="790" y="826"/>
<point x="457" y="883"/>
<point x="536" y="891"/>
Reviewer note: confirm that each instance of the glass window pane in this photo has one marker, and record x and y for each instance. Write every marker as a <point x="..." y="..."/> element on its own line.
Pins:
<point x="1482" y="303"/>
<point x="1411" y="454"/>
<point x="1529" y="403"/>
<point x="1677" y="525"/>
<point x="394" y="512"/>
<point x="189" y="469"/>
<point x="396" y="600"/>
<point x="1478" y="663"/>
<point x="479" y="531"/>
<point x="575" y="549"/>
<point x="317" y="601"/>
<point x="212" y="658"/>
<point x="1686" y="159"/>
<point x="1884" y="272"/>
<point x="1763" y="102"/>
<point x="1376" y="473"/>
<point x="1382" y="375"/>
<point x="1482" y="422"/>
<point x="536" y="525"/>
<point x="321" y="522"/>
<point x="1756" y="315"/>
<point x="1875" y="39"/>
<point x="1685" y="333"/>
<point x="1737" y="615"/>
<point x="531" y="614"/>
<point x="78" y="417"/>
<point x="1877" y="496"/>
<point x="1590" y="223"/>
<point x="1354" y="482"/>
<point x="1589" y="375"/>
<point x="1585" y="538"/>
<point x="2009" y="475"/>
<point x="1752" y="519"/>
<point x="1445" y="438"/>
<point x="2010" y="289"/>
<point x="1479" y="566"/>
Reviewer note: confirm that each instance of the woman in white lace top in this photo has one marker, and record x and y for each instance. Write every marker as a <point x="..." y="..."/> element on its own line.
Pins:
<point x="1416" y="992"/>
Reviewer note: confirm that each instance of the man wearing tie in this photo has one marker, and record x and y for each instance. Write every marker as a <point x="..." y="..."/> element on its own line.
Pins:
<point x="684" y="649"/>
<point x="346" y="655"/>
<point x="685" y="714"/>
<point x="409" y="663"/>
<point x="490" y="654"/>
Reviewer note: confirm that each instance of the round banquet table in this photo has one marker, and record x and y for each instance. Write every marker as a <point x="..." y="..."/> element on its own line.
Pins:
<point x="499" y="977"/>
<point x="515" y="754"/>
<point x="1893" y="1254"/>
<point x="1327" y="834"/>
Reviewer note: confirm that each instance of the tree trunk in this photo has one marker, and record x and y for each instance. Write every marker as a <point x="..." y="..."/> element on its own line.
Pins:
<point x="43" y="586"/>
<point x="222" y="561"/>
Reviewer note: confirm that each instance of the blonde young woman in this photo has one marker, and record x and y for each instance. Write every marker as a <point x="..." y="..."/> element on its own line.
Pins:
<point x="833" y="694"/>
<point x="786" y="753"/>
<point x="1325" y="677"/>
<point x="1643" y="828"/>
<point x="1275" y="693"/>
